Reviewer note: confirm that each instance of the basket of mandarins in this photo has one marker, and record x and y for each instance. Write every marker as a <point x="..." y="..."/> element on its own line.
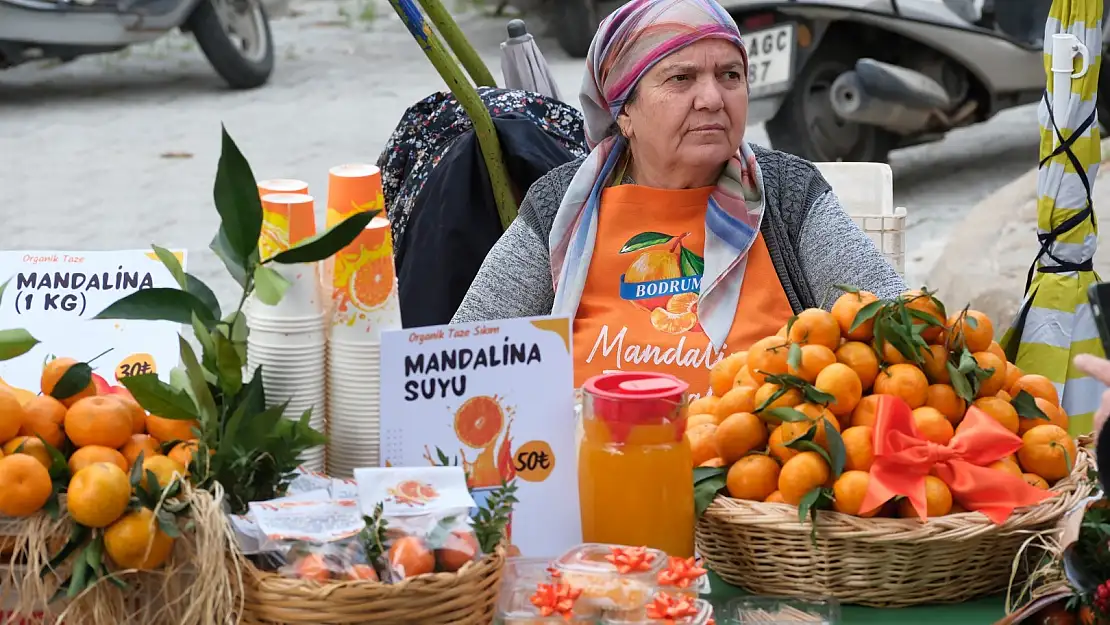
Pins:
<point x="417" y="557"/>
<point x="885" y="453"/>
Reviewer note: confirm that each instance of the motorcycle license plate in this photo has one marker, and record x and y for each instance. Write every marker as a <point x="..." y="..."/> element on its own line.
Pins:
<point x="770" y="59"/>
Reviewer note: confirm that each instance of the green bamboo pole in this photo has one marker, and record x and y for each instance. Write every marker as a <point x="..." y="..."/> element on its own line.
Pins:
<point x="472" y="104"/>
<point x="458" y="43"/>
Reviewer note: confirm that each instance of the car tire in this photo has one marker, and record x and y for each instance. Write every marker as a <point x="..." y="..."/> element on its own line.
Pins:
<point x="224" y="54"/>
<point x="806" y="125"/>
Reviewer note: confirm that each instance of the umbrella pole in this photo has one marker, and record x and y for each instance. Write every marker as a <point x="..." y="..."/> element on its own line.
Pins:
<point x="469" y="99"/>
<point x="459" y="44"/>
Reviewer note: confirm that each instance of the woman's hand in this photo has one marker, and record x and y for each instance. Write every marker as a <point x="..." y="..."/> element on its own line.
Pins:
<point x="1099" y="369"/>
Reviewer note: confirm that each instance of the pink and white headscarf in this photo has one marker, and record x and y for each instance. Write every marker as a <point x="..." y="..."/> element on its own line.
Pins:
<point x="627" y="45"/>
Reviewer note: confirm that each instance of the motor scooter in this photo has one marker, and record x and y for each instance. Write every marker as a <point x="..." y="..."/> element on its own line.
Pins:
<point x="234" y="35"/>
<point x="851" y="80"/>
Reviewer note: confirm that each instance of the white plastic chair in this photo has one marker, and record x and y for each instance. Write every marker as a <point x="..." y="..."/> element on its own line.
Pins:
<point x="866" y="191"/>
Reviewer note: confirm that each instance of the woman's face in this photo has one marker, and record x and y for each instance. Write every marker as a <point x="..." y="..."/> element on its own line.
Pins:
<point x="691" y="108"/>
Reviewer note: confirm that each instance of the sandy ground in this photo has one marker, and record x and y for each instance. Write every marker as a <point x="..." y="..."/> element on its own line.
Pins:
<point x="119" y="151"/>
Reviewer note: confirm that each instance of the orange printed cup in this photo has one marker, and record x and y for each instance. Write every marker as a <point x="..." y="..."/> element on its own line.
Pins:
<point x="364" y="284"/>
<point x="281" y="185"/>
<point x="353" y="188"/>
<point x="287" y="219"/>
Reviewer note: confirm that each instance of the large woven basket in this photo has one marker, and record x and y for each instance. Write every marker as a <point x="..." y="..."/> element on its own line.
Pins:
<point x="877" y="562"/>
<point x="467" y="597"/>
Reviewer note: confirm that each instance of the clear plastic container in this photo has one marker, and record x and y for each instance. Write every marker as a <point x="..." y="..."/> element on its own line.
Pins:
<point x="519" y="582"/>
<point x="598" y="570"/>
<point x="635" y="473"/>
<point x="784" y="611"/>
<point x="703" y="613"/>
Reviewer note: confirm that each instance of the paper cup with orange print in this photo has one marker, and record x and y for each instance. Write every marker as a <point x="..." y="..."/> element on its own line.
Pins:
<point x="364" y="287"/>
<point x="281" y="185"/>
<point x="353" y="188"/>
<point x="287" y="219"/>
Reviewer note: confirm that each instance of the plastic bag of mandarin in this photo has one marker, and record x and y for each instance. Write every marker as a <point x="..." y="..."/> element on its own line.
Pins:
<point x="723" y="431"/>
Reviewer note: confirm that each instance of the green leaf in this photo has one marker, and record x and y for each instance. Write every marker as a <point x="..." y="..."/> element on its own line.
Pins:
<point x="808" y="435"/>
<point x="78" y="578"/>
<point x="169" y="260"/>
<point x="779" y="392"/>
<point x="809" y="502"/>
<point x="236" y="197"/>
<point x="76" y="379"/>
<point x="814" y="396"/>
<point x="245" y="405"/>
<point x="159" y="304"/>
<point x="645" y="239"/>
<point x="200" y="290"/>
<point x="1027" y="408"/>
<point x="78" y="534"/>
<point x="199" y="386"/>
<point x="838" y="454"/>
<point x="168" y="524"/>
<point x="229" y="368"/>
<point x="95" y="555"/>
<point x="160" y="398"/>
<point x="814" y="447"/>
<point x="59" y="468"/>
<point x="847" y="288"/>
<point x="968" y="364"/>
<point x="866" y="313"/>
<point x="787" y="415"/>
<point x="15" y="343"/>
<point x="204" y="337"/>
<point x="328" y="243"/>
<point x="707" y="484"/>
<point x="960" y="383"/>
<point x="794" y="357"/>
<point x="690" y="263"/>
<point x="136" y="474"/>
<point x="4" y="287"/>
<point x="269" y="285"/>
<point x="240" y="270"/>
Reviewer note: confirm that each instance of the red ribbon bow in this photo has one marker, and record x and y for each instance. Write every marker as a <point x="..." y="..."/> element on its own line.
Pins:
<point x="903" y="458"/>
<point x="680" y="572"/>
<point x="631" y="559"/>
<point x="671" y="610"/>
<point x="556" y="599"/>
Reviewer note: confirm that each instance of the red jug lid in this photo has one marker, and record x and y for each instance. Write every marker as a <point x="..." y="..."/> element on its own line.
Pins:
<point x="634" y="397"/>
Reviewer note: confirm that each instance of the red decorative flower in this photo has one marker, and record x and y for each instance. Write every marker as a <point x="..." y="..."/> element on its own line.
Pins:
<point x="631" y="559"/>
<point x="681" y="573"/>
<point x="670" y="609"/>
<point x="555" y="599"/>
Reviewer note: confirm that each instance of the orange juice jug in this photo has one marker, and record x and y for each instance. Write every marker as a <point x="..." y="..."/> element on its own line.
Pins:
<point x="635" y="471"/>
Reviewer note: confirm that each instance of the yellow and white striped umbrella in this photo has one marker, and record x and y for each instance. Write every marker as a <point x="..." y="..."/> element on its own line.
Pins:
<point x="1055" y="323"/>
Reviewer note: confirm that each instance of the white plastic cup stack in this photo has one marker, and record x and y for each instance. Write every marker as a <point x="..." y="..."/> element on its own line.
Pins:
<point x="289" y="342"/>
<point x="365" y="303"/>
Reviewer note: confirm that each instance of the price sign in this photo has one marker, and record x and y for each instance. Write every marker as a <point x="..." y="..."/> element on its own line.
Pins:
<point x="135" y="364"/>
<point x="534" y="461"/>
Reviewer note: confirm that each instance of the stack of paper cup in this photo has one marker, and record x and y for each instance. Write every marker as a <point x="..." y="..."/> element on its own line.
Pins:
<point x="365" y="303"/>
<point x="352" y="188"/>
<point x="289" y="340"/>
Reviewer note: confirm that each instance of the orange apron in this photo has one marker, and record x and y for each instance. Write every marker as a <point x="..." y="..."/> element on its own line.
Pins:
<point x="639" y="306"/>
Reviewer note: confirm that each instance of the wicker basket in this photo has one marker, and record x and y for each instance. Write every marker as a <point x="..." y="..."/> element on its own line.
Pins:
<point x="464" y="598"/>
<point x="876" y="562"/>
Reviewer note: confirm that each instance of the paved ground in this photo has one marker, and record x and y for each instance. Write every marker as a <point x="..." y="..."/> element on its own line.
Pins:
<point x="120" y="151"/>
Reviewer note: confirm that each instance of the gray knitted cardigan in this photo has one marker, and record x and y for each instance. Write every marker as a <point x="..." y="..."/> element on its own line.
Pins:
<point x="814" y="245"/>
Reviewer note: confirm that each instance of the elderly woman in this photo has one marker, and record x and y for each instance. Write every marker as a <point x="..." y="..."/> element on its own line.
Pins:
<point x="674" y="242"/>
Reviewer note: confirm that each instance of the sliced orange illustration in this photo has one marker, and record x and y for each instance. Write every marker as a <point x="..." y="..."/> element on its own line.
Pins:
<point x="682" y="303"/>
<point x="671" y="323"/>
<point x="478" y="421"/>
<point x="372" y="283"/>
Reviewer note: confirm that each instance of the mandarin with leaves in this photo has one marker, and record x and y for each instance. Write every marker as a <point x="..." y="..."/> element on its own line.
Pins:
<point x="988" y="362"/>
<point x="144" y="444"/>
<point x="971" y="329"/>
<point x="168" y="430"/>
<point x="849" y="491"/>
<point x="739" y="434"/>
<point x="999" y="410"/>
<point x="801" y="474"/>
<point x="25" y="485"/>
<point x="165" y="470"/>
<point x="861" y="358"/>
<point x="817" y="417"/>
<point x="137" y="542"/>
<point x="737" y="399"/>
<point x="52" y="373"/>
<point x="185" y="451"/>
<point x="905" y="381"/>
<point x="787" y="398"/>
<point x="890" y="354"/>
<point x="776" y="445"/>
<point x="1056" y="416"/>
<point x="813" y="360"/>
<point x="98" y="494"/>
<point x="840" y="381"/>
<point x="814" y="326"/>
<point x="935" y="364"/>
<point x="1037" y="386"/>
<point x="722" y="374"/>
<point x="753" y="477"/>
<point x="768" y="356"/>
<point x="997" y="350"/>
<point x="1049" y="451"/>
<point x="846" y="308"/>
<point x="924" y="304"/>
